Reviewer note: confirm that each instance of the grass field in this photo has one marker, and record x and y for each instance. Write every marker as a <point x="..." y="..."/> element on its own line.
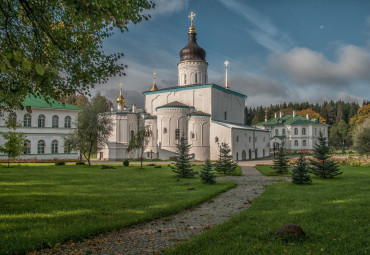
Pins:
<point x="333" y="213"/>
<point x="41" y="206"/>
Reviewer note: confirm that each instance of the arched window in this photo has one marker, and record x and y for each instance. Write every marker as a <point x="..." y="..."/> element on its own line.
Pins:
<point x="177" y="134"/>
<point x="27" y="147"/>
<point x="41" y="147"/>
<point x="225" y="115"/>
<point x="41" y="121"/>
<point x="55" y="121"/>
<point x="304" y="142"/>
<point x="67" y="149"/>
<point x="237" y="138"/>
<point x="165" y="131"/>
<point x="303" y="131"/>
<point x="196" y="78"/>
<point x="67" y="122"/>
<point x="295" y="142"/>
<point x="276" y="131"/>
<point x="54" y="147"/>
<point x="184" y="78"/>
<point x="216" y="139"/>
<point x="283" y="131"/>
<point x="132" y="133"/>
<point x="27" y="120"/>
<point x="192" y="135"/>
<point x="12" y="119"/>
<point x="296" y="131"/>
<point x="249" y="139"/>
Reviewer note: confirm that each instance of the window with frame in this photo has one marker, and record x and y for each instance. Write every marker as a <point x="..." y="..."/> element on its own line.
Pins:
<point x="295" y="142"/>
<point x="27" y="147"/>
<point x="12" y="119"/>
<point x="184" y="78"/>
<point x="296" y="131"/>
<point x="55" y="121"/>
<point x="192" y="135"/>
<point x="237" y="138"/>
<point x="216" y="139"/>
<point x="303" y="131"/>
<point x="41" y="121"/>
<point x="67" y="150"/>
<point x="249" y="139"/>
<point x="67" y="122"/>
<point x="165" y="131"/>
<point x="54" y="147"/>
<point x="304" y="143"/>
<point x="132" y="133"/>
<point x="27" y="119"/>
<point x="41" y="147"/>
<point x="196" y="78"/>
<point x="276" y="131"/>
<point x="225" y="115"/>
<point x="283" y="131"/>
<point x="177" y="134"/>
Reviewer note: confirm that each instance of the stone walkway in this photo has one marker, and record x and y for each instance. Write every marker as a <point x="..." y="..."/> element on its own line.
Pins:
<point x="155" y="236"/>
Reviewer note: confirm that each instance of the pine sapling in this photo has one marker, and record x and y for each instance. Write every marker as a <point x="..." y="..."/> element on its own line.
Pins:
<point x="207" y="174"/>
<point x="300" y="174"/>
<point x="183" y="168"/>
<point x="281" y="162"/>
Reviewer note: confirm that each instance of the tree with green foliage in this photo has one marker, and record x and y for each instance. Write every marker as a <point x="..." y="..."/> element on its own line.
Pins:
<point x="225" y="163"/>
<point x="207" y="174"/>
<point x="340" y="136"/>
<point x="300" y="173"/>
<point x="281" y="162"/>
<point x="361" y="137"/>
<point x="322" y="165"/>
<point x="93" y="129"/>
<point x="54" y="48"/>
<point x="138" y="142"/>
<point x="183" y="168"/>
<point x="14" y="145"/>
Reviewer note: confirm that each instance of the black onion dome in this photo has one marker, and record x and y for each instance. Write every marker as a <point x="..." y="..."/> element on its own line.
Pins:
<point x="192" y="51"/>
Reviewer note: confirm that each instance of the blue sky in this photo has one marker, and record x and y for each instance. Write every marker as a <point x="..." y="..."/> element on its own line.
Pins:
<point x="284" y="50"/>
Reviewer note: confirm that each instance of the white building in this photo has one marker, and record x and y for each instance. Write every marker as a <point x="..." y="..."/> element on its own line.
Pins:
<point x="293" y="132"/>
<point x="208" y="114"/>
<point x="45" y="128"/>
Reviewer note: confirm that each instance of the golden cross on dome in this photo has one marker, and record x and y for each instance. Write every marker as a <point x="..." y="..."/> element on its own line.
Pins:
<point x="226" y="63"/>
<point x="191" y="16"/>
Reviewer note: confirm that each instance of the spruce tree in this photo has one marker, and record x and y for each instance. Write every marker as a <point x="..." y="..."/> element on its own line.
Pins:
<point x="183" y="168"/>
<point x="300" y="174"/>
<point x="207" y="175"/>
<point x="225" y="163"/>
<point x="281" y="162"/>
<point x="322" y="165"/>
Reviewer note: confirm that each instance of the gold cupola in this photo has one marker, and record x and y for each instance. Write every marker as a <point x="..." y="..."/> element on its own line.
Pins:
<point x="120" y="98"/>
<point x="154" y="87"/>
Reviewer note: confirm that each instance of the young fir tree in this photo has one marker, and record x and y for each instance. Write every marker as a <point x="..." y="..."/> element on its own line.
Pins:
<point x="281" y="162"/>
<point x="183" y="168"/>
<point x="300" y="173"/>
<point x="225" y="163"/>
<point x="322" y="165"/>
<point x="207" y="175"/>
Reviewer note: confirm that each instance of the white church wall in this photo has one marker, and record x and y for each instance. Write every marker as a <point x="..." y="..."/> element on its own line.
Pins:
<point x="218" y="134"/>
<point x="198" y="136"/>
<point x="249" y="144"/>
<point x="227" y="107"/>
<point x="192" y="72"/>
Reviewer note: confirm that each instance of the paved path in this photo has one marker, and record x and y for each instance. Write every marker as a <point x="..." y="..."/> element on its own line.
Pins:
<point x="155" y="236"/>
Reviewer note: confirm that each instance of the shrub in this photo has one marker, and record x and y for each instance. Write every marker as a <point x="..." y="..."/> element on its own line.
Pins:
<point x="126" y="162"/>
<point x="60" y="163"/>
<point x="207" y="174"/>
<point x="158" y="166"/>
<point x="151" y="164"/>
<point x="80" y="163"/>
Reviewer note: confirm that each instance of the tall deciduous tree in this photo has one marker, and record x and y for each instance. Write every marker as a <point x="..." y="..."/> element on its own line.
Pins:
<point x="340" y="136"/>
<point x="139" y="141"/>
<point x="362" y="137"/>
<point x="183" y="168"/>
<point x="225" y="163"/>
<point x="322" y="165"/>
<point x="93" y="130"/>
<point x="14" y="145"/>
<point x="55" y="47"/>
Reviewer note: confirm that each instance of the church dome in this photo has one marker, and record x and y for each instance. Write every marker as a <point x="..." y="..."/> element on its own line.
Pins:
<point x="192" y="51"/>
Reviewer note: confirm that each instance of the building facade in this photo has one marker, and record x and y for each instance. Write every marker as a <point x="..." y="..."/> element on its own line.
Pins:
<point x="44" y="127"/>
<point x="293" y="132"/>
<point x="208" y="114"/>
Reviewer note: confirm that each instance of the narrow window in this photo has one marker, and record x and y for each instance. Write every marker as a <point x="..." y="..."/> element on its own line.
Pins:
<point x="41" y="147"/>
<point x="66" y="148"/>
<point x="196" y="78"/>
<point x="132" y="133"/>
<point x="67" y="122"/>
<point x="295" y="142"/>
<point x="283" y="131"/>
<point x="27" y="120"/>
<point x="177" y="134"/>
<point x="41" y="120"/>
<point x="55" y="121"/>
<point x="54" y="147"/>
<point x="303" y="131"/>
<point x="184" y="78"/>
<point x="12" y="119"/>
<point x="192" y="135"/>
<point x="27" y="147"/>
<point x="304" y="142"/>
<point x="237" y="138"/>
<point x="276" y="131"/>
<point x="225" y="115"/>
<point x="216" y="139"/>
<point x="250" y="139"/>
<point x="165" y="131"/>
<point x="296" y="131"/>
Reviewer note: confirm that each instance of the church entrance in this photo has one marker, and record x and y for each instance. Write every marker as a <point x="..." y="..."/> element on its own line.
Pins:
<point x="244" y="155"/>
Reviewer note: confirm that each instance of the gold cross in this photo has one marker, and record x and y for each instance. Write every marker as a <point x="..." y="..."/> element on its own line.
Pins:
<point x="191" y="16"/>
<point x="226" y="63"/>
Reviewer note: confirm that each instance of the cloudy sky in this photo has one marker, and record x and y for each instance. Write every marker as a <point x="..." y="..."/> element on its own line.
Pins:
<point x="285" y="50"/>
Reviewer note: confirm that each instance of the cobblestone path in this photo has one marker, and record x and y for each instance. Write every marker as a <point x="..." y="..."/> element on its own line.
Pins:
<point x="157" y="235"/>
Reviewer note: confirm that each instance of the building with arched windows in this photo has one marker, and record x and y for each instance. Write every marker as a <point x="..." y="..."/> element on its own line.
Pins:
<point x="45" y="127"/>
<point x="207" y="114"/>
<point x="293" y="132"/>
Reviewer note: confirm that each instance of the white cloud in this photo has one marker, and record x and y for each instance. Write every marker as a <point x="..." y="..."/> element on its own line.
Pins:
<point x="265" y="34"/>
<point x="168" y="6"/>
<point x="305" y="66"/>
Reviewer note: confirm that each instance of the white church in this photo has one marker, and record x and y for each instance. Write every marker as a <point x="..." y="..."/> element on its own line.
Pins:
<point x="208" y="114"/>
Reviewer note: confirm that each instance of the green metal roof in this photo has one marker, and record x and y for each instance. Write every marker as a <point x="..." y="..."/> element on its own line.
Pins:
<point x="289" y="120"/>
<point x="40" y="102"/>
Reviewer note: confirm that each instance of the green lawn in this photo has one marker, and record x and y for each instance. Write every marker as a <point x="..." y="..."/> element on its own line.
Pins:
<point x="268" y="171"/>
<point x="333" y="213"/>
<point x="44" y="205"/>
